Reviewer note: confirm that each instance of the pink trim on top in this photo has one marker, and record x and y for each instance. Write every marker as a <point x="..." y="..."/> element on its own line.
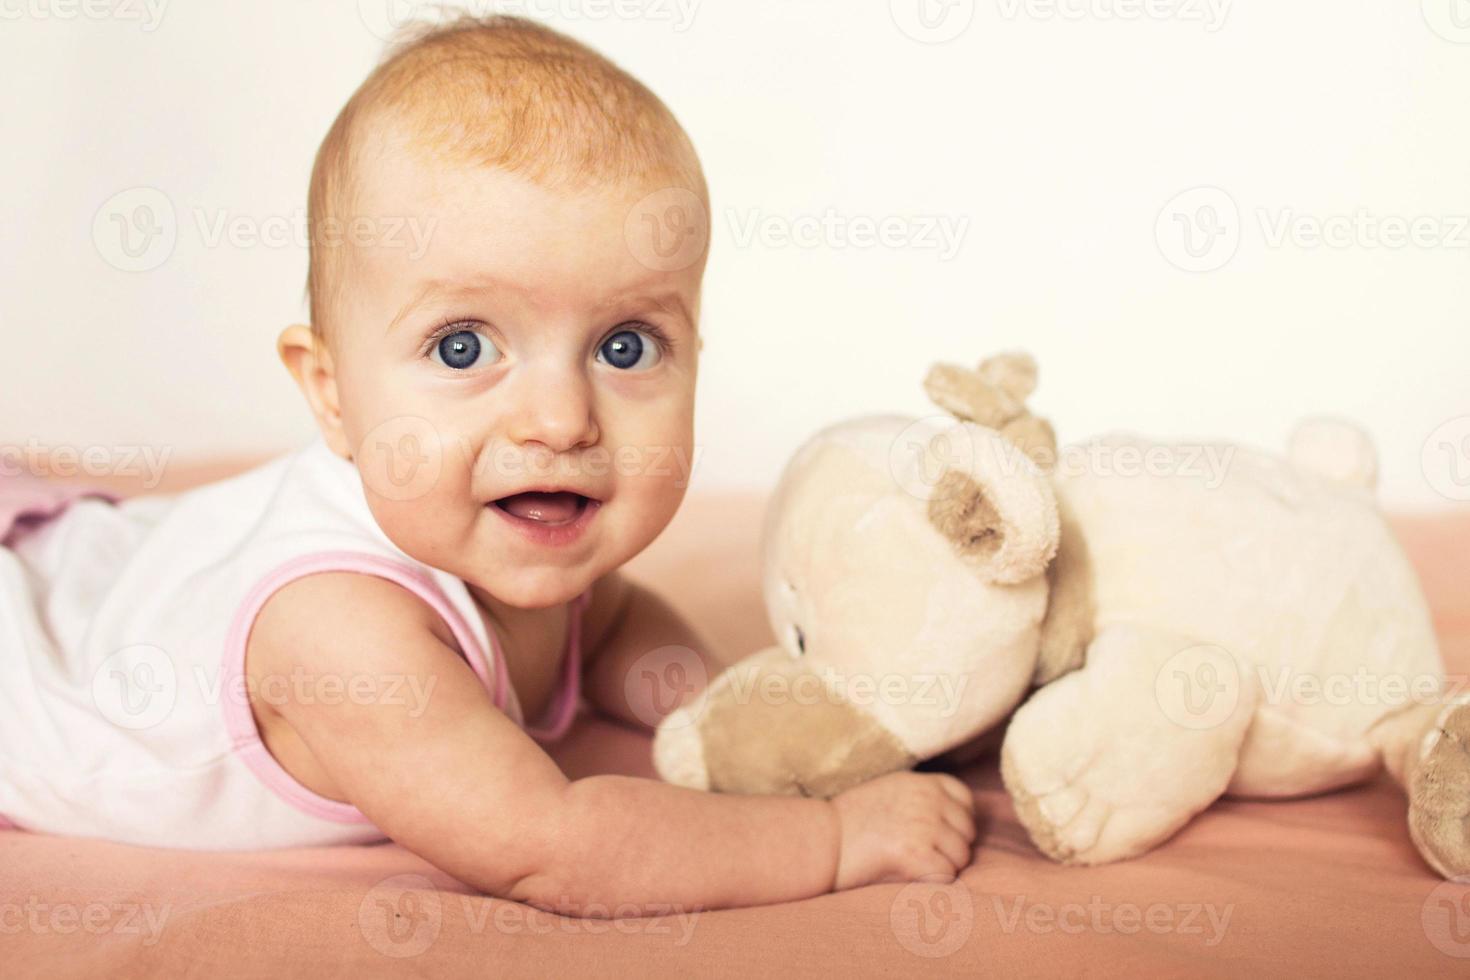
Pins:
<point x="240" y="722"/>
<point x="564" y="709"/>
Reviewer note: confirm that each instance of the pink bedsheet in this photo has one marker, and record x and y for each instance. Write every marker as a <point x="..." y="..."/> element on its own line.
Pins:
<point x="1329" y="886"/>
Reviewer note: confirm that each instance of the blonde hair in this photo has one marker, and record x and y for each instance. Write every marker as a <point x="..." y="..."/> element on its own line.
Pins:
<point x="498" y="91"/>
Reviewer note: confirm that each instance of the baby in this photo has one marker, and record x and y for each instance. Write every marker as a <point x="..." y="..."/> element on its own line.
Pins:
<point x="375" y="635"/>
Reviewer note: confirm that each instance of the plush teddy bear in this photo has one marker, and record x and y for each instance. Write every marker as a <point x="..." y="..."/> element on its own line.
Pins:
<point x="1175" y="622"/>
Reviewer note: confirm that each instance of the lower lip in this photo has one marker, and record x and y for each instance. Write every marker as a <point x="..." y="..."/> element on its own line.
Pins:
<point x="551" y="535"/>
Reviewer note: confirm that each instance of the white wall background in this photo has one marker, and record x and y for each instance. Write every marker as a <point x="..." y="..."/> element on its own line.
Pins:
<point x="1051" y="139"/>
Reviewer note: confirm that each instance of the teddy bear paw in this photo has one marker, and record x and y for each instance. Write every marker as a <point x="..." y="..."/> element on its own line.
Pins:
<point x="678" y="750"/>
<point x="1439" y="792"/>
<point x="1066" y="820"/>
<point x="1066" y="823"/>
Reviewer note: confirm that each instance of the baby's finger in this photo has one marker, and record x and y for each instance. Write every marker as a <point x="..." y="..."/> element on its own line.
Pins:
<point x="961" y="820"/>
<point x="957" y="790"/>
<point x="930" y="866"/>
<point x="954" y="847"/>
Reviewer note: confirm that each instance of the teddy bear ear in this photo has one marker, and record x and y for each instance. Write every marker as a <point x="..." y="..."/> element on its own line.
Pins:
<point x="1013" y="372"/>
<point x="991" y="395"/>
<point x="963" y="393"/>
<point x="992" y="504"/>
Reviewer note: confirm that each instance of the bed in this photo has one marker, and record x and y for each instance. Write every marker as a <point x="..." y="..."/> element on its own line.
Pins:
<point x="1322" y="886"/>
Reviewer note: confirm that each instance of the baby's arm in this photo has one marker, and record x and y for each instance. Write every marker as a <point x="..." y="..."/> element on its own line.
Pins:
<point x="458" y="783"/>
<point x="623" y="625"/>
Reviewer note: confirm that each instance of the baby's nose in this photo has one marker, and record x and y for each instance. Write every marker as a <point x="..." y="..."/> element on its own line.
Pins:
<point x="555" y="413"/>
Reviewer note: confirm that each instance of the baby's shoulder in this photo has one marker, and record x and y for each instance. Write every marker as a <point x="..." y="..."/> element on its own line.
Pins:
<point x="342" y="617"/>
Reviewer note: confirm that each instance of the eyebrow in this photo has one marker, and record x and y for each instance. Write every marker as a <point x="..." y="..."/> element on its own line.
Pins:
<point x="669" y="301"/>
<point x="432" y="286"/>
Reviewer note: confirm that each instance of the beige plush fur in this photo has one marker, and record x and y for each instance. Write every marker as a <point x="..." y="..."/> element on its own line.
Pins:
<point x="1137" y="626"/>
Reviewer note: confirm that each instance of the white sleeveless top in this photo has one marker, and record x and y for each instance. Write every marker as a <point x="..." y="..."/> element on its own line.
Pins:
<point x="123" y="712"/>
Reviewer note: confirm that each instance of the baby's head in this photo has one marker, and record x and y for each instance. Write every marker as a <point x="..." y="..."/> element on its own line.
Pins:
<point x="508" y="236"/>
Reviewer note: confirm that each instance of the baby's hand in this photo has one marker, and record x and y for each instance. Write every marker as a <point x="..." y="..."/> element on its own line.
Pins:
<point x="902" y="827"/>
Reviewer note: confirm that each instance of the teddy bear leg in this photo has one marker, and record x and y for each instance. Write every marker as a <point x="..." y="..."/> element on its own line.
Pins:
<point x="1427" y="749"/>
<point x="1108" y="761"/>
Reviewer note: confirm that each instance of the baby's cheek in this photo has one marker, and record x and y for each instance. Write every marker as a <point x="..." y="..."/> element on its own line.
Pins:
<point x="649" y="502"/>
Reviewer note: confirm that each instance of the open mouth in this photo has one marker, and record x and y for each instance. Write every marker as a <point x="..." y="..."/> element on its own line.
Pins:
<point x="551" y="509"/>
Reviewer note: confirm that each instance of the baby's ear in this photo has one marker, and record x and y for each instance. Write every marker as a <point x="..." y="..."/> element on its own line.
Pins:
<point x="309" y="360"/>
<point x="992" y="504"/>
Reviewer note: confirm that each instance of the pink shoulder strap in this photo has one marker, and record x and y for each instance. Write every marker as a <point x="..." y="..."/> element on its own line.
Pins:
<point x="240" y="722"/>
<point x="563" y="710"/>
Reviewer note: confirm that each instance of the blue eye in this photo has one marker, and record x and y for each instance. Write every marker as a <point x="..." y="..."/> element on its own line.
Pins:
<point x="459" y="350"/>
<point x="626" y="349"/>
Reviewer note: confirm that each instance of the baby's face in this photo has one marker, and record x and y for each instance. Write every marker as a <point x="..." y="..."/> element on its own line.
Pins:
<point x="526" y="346"/>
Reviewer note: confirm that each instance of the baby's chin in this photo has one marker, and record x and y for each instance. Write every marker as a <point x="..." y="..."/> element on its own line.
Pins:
<point x="505" y="567"/>
<point x="503" y="590"/>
